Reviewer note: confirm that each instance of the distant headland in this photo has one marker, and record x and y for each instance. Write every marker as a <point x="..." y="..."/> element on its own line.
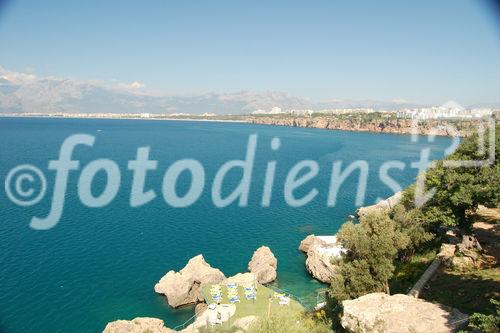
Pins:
<point x="431" y="121"/>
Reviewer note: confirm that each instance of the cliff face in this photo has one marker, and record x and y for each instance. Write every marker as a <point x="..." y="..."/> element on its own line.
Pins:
<point x="379" y="124"/>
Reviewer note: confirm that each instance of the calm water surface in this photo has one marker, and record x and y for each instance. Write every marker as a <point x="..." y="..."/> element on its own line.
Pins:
<point x="99" y="265"/>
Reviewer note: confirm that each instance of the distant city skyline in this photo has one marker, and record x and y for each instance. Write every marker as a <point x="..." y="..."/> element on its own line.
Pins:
<point x="422" y="53"/>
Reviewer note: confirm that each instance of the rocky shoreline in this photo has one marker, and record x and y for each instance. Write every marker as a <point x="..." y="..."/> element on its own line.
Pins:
<point x="185" y="288"/>
<point x="354" y="123"/>
<point x="378" y="125"/>
<point x="376" y="312"/>
<point x="321" y="252"/>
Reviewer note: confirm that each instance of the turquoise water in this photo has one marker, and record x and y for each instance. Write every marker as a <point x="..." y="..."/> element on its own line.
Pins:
<point x="99" y="265"/>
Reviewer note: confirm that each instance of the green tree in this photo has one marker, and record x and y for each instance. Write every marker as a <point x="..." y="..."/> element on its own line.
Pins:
<point x="372" y="246"/>
<point x="414" y="224"/>
<point x="486" y="323"/>
<point x="459" y="190"/>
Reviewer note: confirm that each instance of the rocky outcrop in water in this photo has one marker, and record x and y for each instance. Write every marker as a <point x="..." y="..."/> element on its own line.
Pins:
<point x="263" y="265"/>
<point x="382" y="205"/>
<point x="308" y="242"/>
<point x="381" y="313"/>
<point x="377" y="124"/>
<point x="184" y="287"/>
<point x="137" y="325"/>
<point x="321" y="253"/>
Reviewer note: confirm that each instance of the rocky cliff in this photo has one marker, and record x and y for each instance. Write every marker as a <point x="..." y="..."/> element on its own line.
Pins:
<point x="377" y="124"/>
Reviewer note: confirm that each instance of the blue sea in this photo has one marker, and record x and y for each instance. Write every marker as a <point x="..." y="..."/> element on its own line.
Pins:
<point x="101" y="264"/>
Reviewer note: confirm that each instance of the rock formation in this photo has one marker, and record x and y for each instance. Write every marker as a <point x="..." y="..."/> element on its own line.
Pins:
<point x="263" y="265"/>
<point x="184" y="287"/>
<point x="381" y="205"/>
<point x="137" y="325"/>
<point x="381" y="313"/>
<point x="321" y="252"/>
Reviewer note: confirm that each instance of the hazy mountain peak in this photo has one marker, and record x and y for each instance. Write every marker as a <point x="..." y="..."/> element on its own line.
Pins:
<point x="25" y="92"/>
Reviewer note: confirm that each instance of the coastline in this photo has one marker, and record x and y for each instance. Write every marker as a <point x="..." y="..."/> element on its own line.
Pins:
<point x="353" y="122"/>
<point x="91" y="116"/>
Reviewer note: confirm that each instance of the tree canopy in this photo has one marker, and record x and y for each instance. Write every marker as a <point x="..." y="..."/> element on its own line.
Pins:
<point x="459" y="190"/>
<point x="372" y="246"/>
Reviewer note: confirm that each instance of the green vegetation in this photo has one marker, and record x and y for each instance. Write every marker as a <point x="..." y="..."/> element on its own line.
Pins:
<point x="487" y="323"/>
<point x="283" y="320"/>
<point x="286" y="321"/>
<point x="460" y="190"/>
<point x="389" y="251"/>
<point x="408" y="272"/>
<point x="372" y="247"/>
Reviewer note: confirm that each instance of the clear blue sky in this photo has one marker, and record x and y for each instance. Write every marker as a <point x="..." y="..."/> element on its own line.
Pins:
<point x="423" y="51"/>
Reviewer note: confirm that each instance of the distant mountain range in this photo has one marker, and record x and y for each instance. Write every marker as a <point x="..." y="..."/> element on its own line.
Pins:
<point x="24" y="92"/>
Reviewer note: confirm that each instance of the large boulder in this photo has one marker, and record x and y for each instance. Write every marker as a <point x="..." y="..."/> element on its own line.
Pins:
<point x="381" y="313"/>
<point x="322" y="251"/>
<point x="184" y="287"/>
<point x="137" y="325"/>
<point x="382" y="205"/>
<point x="263" y="265"/>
